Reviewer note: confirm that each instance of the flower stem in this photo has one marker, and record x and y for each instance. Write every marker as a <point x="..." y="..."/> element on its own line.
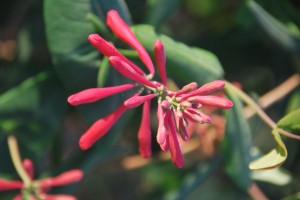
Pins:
<point x="129" y="53"/>
<point x="15" y="156"/>
<point x="248" y="100"/>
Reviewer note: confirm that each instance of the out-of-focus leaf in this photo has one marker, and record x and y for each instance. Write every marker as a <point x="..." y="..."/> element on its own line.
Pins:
<point x="280" y="33"/>
<point x="290" y="122"/>
<point x="275" y="176"/>
<point x="183" y="62"/>
<point x="196" y="178"/>
<point x="236" y="144"/>
<point x="160" y="10"/>
<point x="294" y="102"/>
<point x="293" y="197"/>
<point x="274" y="158"/>
<point x="33" y="110"/>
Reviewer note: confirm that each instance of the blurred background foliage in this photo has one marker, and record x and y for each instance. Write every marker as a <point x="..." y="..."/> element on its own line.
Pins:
<point x="45" y="56"/>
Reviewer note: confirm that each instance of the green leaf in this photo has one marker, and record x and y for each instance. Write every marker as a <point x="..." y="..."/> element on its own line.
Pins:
<point x="284" y="36"/>
<point x="274" y="158"/>
<point x="183" y="62"/>
<point x="103" y="72"/>
<point x="160" y="10"/>
<point x="236" y="144"/>
<point x="290" y="122"/>
<point x="294" y="102"/>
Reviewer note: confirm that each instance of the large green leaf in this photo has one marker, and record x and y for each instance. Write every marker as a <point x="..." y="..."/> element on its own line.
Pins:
<point x="183" y="62"/>
<point x="274" y="158"/>
<point x="236" y="144"/>
<point x="290" y="122"/>
<point x="284" y="36"/>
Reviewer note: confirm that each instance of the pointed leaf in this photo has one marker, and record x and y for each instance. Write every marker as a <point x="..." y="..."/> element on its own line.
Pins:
<point x="291" y="122"/>
<point x="274" y="158"/>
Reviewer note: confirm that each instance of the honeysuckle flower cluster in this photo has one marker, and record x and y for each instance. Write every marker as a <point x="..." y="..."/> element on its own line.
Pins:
<point x="37" y="190"/>
<point x="175" y="109"/>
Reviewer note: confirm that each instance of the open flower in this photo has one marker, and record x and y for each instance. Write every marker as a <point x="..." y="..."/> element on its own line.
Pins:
<point x="175" y="109"/>
<point x="38" y="188"/>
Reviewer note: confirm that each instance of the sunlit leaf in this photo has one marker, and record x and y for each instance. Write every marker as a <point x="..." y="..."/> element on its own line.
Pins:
<point x="274" y="158"/>
<point x="291" y="122"/>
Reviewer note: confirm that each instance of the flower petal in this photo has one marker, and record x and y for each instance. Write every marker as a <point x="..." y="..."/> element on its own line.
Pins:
<point x="100" y="128"/>
<point x="210" y="100"/>
<point x="176" y="153"/>
<point x="10" y="185"/>
<point x="65" y="178"/>
<point x="144" y="134"/>
<point x="206" y="89"/>
<point x="187" y="88"/>
<point x="160" y="58"/>
<point x="135" y="101"/>
<point x="122" y="31"/>
<point x="95" y="94"/>
<point x="58" y="197"/>
<point x="108" y="50"/>
<point x="127" y="71"/>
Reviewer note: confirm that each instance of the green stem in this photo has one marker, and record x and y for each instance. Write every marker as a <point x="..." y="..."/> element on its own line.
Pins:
<point x="129" y="53"/>
<point x="16" y="158"/>
<point x="248" y="100"/>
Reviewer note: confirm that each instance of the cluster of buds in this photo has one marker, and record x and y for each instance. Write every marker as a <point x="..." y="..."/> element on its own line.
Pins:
<point x="37" y="189"/>
<point x="175" y="109"/>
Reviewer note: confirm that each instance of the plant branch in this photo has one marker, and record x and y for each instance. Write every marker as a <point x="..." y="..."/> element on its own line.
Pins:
<point x="248" y="100"/>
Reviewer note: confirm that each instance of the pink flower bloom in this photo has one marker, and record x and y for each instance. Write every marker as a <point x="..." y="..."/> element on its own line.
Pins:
<point x="95" y="94"/>
<point x="160" y="57"/>
<point x="175" y="109"/>
<point x="122" y="30"/>
<point x="40" y="187"/>
<point x="144" y="134"/>
<point x="100" y="127"/>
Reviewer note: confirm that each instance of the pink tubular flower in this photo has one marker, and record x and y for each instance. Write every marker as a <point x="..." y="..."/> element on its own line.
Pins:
<point x="144" y="134"/>
<point x="39" y="188"/>
<point x="175" y="109"/>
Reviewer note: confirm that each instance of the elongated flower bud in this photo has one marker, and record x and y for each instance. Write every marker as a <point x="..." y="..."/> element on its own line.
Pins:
<point x="65" y="178"/>
<point x="127" y="71"/>
<point x="162" y="131"/>
<point x="144" y="134"/>
<point x="124" y="33"/>
<point x="95" y="94"/>
<point x="108" y="50"/>
<point x="100" y="128"/>
<point x="182" y="130"/>
<point x="10" y="185"/>
<point x="135" y="101"/>
<point x="160" y="58"/>
<point x="216" y="101"/>
<point x="187" y="88"/>
<point x="173" y="142"/>
<point x="28" y="165"/>
<point x="206" y="89"/>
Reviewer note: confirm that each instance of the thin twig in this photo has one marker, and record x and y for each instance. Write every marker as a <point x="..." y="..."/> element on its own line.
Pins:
<point x="16" y="158"/>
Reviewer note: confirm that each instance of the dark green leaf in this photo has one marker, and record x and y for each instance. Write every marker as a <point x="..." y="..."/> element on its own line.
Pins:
<point x="284" y="36"/>
<point x="183" y="62"/>
<point x="236" y="144"/>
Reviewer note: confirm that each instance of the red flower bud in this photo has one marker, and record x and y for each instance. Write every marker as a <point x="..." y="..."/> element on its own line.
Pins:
<point x="144" y="134"/>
